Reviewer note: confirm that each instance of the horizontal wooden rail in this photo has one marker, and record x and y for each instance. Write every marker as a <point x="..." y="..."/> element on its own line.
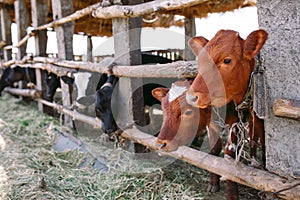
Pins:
<point x="72" y="17"/>
<point x="102" y="67"/>
<point x="240" y="173"/>
<point x="23" y="92"/>
<point x="288" y="108"/>
<point x="178" y="69"/>
<point x="143" y="9"/>
<point x="59" y="71"/>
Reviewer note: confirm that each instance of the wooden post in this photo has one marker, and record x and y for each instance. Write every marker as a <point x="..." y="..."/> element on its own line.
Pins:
<point x="64" y="35"/>
<point x="94" y="78"/>
<point x="39" y="14"/>
<point x="89" y="49"/>
<point x="127" y="33"/>
<point x="190" y="31"/>
<point x="6" y="31"/>
<point x="22" y="21"/>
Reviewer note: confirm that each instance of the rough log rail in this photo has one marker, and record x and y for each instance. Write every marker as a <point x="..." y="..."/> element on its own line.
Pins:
<point x="240" y="173"/>
<point x="59" y="71"/>
<point x="114" y="11"/>
<point x="143" y="9"/>
<point x="179" y="69"/>
<point x="287" y="108"/>
<point x="23" y="92"/>
<point x="74" y="16"/>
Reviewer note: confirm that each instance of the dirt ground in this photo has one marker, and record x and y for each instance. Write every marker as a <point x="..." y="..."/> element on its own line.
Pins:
<point x="32" y="167"/>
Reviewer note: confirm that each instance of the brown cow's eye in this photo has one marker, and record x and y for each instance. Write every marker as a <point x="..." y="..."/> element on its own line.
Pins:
<point x="227" y="61"/>
<point x="188" y="112"/>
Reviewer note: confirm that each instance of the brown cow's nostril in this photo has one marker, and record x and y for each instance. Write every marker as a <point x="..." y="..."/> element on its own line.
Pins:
<point x="163" y="145"/>
<point x="194" y="99"/>
<point x="191" y="99"/>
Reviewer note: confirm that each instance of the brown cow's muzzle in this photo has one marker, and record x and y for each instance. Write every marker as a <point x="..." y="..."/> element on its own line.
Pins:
<point x="197" y="99"/>
<point x="166" y="145"/>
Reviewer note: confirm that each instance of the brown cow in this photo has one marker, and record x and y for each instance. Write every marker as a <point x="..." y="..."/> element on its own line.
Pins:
<point x="181" y="121"/>
<point x="225" y="66"/>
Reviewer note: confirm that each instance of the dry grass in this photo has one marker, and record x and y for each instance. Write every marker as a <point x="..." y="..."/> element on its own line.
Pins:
<point x="31" y="169"/>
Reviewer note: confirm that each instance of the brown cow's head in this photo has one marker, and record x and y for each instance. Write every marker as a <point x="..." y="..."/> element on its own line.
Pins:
<point x="181" y="122"/>
<point x="225" y="65"/>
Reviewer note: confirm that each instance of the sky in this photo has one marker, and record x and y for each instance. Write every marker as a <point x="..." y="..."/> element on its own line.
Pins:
<point x="242" y="20"/>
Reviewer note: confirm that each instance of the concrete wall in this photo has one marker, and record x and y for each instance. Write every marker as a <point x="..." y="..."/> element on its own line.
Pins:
<point x="281" y="59"/>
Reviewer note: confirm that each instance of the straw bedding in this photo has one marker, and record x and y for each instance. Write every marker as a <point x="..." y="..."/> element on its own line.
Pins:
<point x="31" y="169"/>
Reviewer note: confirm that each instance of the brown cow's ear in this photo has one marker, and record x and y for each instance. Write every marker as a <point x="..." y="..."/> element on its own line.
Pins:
<point x="160" y="93"/>
<point x="197" y="43"/>
<point x="254" y="43"/>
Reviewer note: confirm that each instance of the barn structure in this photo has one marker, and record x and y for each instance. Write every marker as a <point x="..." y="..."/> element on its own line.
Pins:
<point x="277" y="86"/>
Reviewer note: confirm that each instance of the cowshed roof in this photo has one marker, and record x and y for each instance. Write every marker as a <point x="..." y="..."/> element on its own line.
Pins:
<point x="103" y="27"/>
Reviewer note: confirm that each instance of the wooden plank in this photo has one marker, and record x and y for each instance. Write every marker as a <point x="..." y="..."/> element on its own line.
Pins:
<point x="60" y="71"/>
<point x="72" y="17"/>
<point x="143" y="9"/>
<point x="225" y="167"/>
<point x="288" y="108"/>
<point x="179" y="69"/>
<point x="190" y="31"/>
<point x="89" y="49"/>
<point x="22" y="21"/>
<point x="127" y="46"/>
<point x="39" y="14"/>
<point x="64" y="35"/>
<point x="23" y="92"/>
<point x="6" y="32"/>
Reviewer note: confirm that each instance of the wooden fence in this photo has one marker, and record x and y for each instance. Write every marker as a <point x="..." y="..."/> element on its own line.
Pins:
<point x="123" y="65"/>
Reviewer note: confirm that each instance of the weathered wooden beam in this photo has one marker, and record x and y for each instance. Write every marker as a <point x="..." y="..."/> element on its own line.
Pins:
<point x="226" y="168"/>
<point x="23" y="92"/>
<point x="179" y="69"/>
<point x="95" y="122"/>
<point x="190" y="31"/>
<point x="59" y="71"/>
<point x="39" y="14"/>
<point x="127" y="46"/>
<point x="72" y="17"/>
<point x="22" y="42"/>
<point x="143" y="9"/>
<point x="288" y="108"/>
<point x="22" y="21"/>
<point x="89" y="49"/>
<point x="64" y="36"/>
<point x="6" y="32"/>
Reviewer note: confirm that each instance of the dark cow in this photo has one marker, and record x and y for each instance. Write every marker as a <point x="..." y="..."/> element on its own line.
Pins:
<point x="103" y="100"/>
<point x="225" y="66"/>
<point x="103" y="96"/>
<point x="52" y="82"/>
<point x="14" y="74"/>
